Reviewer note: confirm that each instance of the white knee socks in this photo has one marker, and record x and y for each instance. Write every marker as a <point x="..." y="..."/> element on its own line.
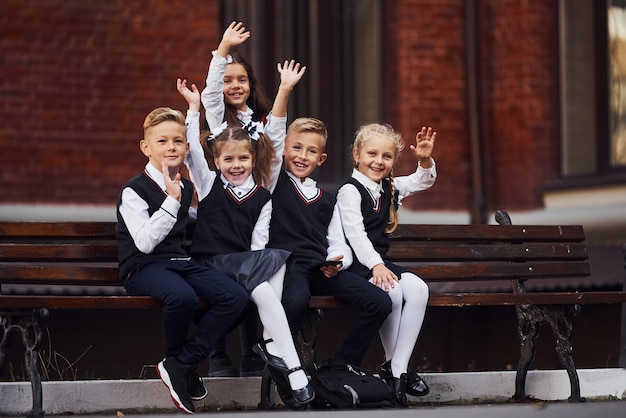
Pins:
<point x="400" y="331"/>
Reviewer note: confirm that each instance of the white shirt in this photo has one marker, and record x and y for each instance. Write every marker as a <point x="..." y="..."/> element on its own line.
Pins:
<point x="349" y="203"/>
<point x="336" y="241"/>
<point x="203" y="178"/>
<point x="148" y="231"/>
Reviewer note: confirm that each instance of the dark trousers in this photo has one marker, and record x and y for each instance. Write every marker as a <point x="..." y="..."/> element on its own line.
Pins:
<point x="178" y="284"/>
<point x="249" y="334"/>
<point x="372" y="302"/>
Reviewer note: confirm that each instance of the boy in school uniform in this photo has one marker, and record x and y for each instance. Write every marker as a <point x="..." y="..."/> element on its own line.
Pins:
<point x="306" y="222"/>
<point x="152" y="213"/>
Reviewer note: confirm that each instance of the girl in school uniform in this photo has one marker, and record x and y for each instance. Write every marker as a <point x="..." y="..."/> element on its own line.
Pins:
<point x="368" y="203"/>
<point x="232" y="229"/>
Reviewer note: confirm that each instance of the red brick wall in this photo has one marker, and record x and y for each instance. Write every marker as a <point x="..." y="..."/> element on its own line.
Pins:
<point x="78" y="77"/>
<point x="426" y="75"/>
<point x="519" y="51"/>
<point x="425" y="85"/>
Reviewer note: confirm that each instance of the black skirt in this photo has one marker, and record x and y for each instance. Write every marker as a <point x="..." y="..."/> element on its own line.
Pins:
<point x="250" y="268"/>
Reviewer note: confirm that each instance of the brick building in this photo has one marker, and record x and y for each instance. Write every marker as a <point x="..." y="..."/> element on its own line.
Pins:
<point x="524" y="95"/>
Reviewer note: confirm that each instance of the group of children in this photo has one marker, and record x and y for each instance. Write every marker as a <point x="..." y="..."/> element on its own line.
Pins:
<point x="264" y="232"/>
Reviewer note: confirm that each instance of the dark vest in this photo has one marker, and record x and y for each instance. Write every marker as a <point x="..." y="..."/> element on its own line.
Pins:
<point x="226" y="221"/>
<point x="300" y="225"/>
<point x="174" y="243"/>
<point x="375" y="220"/>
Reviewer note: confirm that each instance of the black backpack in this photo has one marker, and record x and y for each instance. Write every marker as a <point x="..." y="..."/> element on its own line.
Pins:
<point x="339" y="386"/>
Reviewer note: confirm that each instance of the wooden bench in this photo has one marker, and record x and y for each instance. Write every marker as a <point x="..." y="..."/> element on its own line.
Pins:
<point x="84" y="254"/>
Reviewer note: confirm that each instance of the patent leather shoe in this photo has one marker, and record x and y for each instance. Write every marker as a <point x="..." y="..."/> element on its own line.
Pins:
<point x="304" y="395"/>
<point x="415" y="385"/>
<point x="270" y="359"/>
<point x="284" y="390"/>
<point x="398" y="386"/>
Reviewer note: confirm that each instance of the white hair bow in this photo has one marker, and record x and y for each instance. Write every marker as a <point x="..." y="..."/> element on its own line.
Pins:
<point x="217" y="131"/>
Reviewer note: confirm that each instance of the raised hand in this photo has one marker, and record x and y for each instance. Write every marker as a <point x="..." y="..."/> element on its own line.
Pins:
<point x="290" y="73"/>
<point x="235" y="34"/>
<point x="191" y="95"/>
<point x="424" y="144"/>
<point x="172" y="186"/>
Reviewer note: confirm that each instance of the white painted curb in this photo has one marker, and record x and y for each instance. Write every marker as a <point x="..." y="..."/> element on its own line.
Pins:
<point x="96" y="396"/>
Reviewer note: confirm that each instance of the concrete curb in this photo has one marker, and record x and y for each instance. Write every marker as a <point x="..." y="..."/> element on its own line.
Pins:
<point x="97" y="396"/>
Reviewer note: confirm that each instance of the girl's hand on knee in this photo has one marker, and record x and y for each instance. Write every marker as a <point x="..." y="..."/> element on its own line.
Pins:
<point x="383" y="277"/>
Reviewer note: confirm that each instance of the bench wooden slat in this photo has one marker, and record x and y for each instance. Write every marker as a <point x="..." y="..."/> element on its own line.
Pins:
<point x="80" y="302"/>
<point x="56" y="229"/>
<point x="83" y="251"/>
<point x="494" y="299"/>
<point x="439" y="299"/>
<point x="95" y="274"/>
<point x="477" y="233"/>
<point x="498" y="270"/>
<point x="101" y="274"/>
<point x="407" y="250"/>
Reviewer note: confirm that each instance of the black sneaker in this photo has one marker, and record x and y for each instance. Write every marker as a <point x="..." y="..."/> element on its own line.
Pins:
<point x="197" y="391"/>
<point x="175" y="376"/>
<point x="251" y="366"/>
<point x="222" y="367"/>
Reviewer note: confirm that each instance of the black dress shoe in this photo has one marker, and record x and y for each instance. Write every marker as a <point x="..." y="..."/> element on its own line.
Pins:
<point x="284" y="390"/>
<point x="303" y="395"/>
<point x="415" y="385"/>
<point x="270" y="359"/>
<point x="398" y="386"/>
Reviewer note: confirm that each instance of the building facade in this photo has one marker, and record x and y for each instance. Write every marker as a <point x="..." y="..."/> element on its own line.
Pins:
<point x="525" y="97"/>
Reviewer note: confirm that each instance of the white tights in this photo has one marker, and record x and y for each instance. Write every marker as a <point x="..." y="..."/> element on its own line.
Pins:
<point x="267" y="297"/>
<point x="402" y="327"/>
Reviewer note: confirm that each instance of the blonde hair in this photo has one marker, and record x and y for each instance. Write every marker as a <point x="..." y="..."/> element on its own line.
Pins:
<point x="160" y="115"/>
<point x="262" y="151"/>
<point x="372" y="130"/>
<point x="309" y="125"/>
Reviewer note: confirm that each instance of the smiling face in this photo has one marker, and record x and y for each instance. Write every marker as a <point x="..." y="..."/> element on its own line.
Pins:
<point x="235" y="161"/>
<point x="375" y="157"/>
<point x="304" y="152"/>
<point x="165" y="142"/>
<point x="236" y="86"/>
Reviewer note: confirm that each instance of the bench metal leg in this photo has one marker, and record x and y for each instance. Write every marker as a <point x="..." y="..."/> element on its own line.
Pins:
<point x="530" y="320"/>
<point x="28" y="326"/>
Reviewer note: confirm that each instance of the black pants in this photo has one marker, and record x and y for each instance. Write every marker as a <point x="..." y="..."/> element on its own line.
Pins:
<point x="372" y="302"/>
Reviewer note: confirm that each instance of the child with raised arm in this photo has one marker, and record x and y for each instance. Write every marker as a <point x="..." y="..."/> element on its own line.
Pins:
<point x="368" y="203"/>
<point x="152" y="215"/>
<point x="306" y="222"/>
<point x="232" y="229"/>
<point x="233" y="94"/>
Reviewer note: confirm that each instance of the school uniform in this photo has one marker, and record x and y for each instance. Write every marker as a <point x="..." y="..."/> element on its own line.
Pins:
<point x="375" y="220"/>
<point x="151" y="232"/>
<point x="306" y="223"/>
<point x="232" y="222"/>
<point x="365" y="206"/>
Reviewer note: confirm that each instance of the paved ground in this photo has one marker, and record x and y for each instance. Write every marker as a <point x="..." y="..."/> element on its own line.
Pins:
<point x="605" y="409"/>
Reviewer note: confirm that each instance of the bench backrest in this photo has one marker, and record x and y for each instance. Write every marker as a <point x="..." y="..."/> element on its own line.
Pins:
<point x="85" y="253"/>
